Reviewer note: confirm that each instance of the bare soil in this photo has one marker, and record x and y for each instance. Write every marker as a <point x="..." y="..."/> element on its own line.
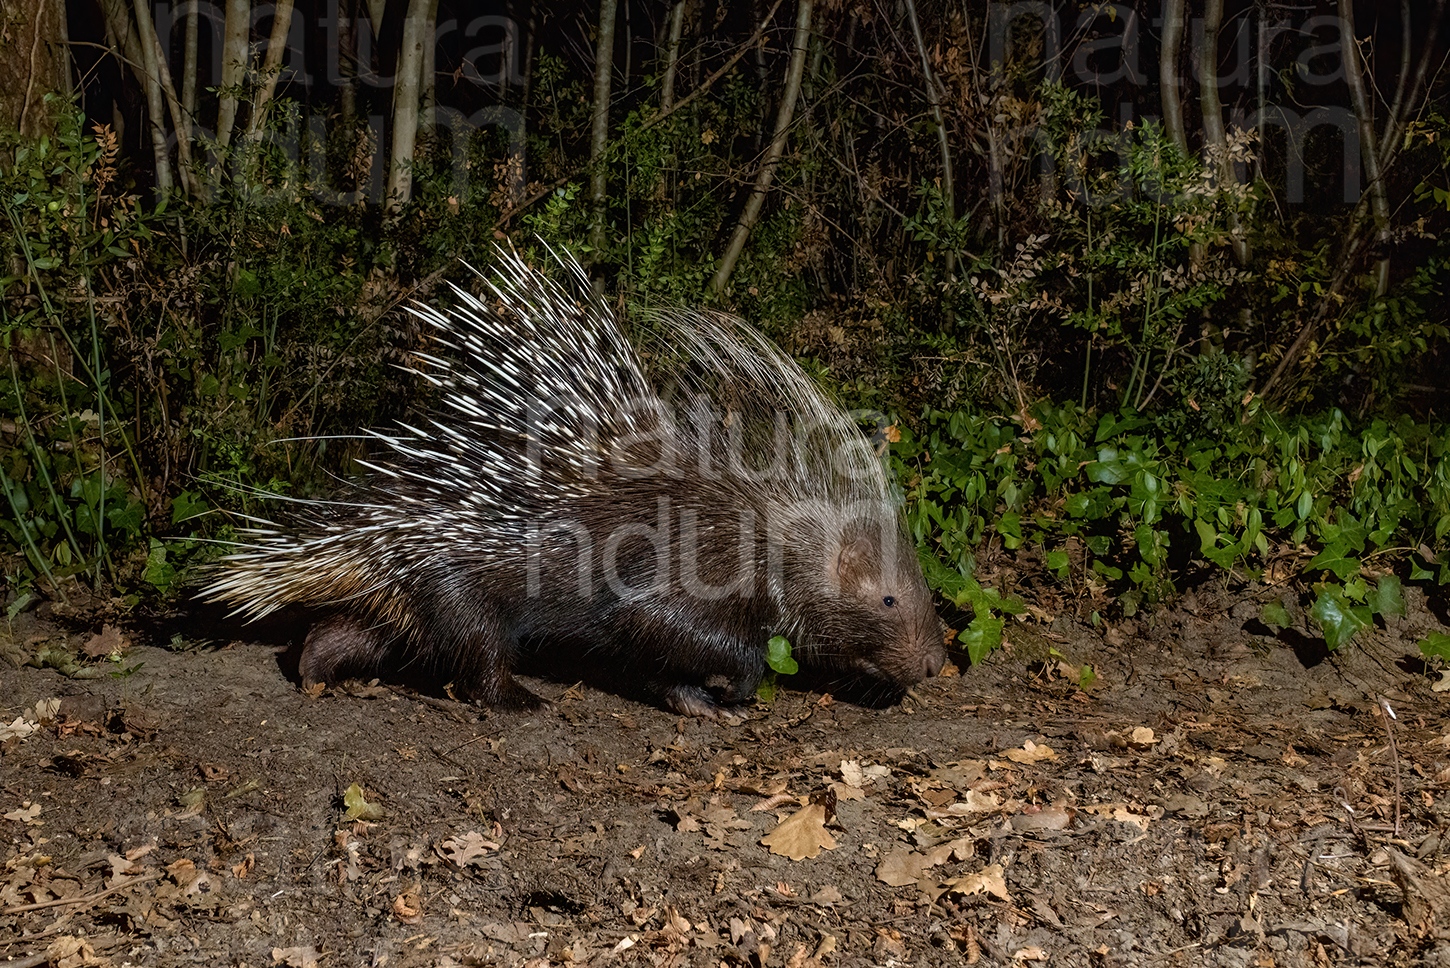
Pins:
<point x="1218" y="795"/>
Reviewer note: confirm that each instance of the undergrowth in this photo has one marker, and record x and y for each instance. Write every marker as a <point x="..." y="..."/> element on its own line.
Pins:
<point x="1078" y="394"/>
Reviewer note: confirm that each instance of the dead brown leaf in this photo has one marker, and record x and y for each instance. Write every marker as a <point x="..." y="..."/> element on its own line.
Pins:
<point x="989" y="879"/>
<point x="108" y="641"/>
<point x="465" y="849"/>
<point x="1030" y="753"/>
<point x="801" y="835"/>
<point x="408" y="906"/>
<point x="302" y="956"/>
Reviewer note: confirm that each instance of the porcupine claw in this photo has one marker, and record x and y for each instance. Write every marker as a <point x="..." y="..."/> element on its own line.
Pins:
<point x="694" y="701"/>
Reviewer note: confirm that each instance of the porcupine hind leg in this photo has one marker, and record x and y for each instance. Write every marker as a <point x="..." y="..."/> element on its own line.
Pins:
<point x="339" y="644"/>
<point x="467" y="642"/>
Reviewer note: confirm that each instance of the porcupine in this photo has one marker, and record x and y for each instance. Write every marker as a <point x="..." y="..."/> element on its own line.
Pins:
<point x="673" y="514"/>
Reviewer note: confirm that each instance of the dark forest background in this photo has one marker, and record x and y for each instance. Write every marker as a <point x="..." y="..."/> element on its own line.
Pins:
<point x="1140" y="292"/>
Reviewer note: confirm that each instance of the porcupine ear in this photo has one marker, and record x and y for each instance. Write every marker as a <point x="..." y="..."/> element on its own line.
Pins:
<point x="853" y="564"/>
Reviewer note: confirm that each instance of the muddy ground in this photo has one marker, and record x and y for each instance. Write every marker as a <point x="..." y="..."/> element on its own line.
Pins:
<point x="1218" y="796"/>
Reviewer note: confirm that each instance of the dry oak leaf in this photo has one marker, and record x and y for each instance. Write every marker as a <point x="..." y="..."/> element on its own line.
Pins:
<point x="188" y="877"/>
<point x="27" y="812"/>
<point x="902" y="867"/>
<point x="801" y="835"/>
<point x="108" y="641"/>
<point x="302" y="956"/>
<point x="1030" y="753"/>
<point x="973" y="802"/>
<point x="470" y="848"/>
<point x="989" y="879"/>
<point x="1140" y="817"/>
<point x="1143" y="736"/>
<point x="68" y="951"/>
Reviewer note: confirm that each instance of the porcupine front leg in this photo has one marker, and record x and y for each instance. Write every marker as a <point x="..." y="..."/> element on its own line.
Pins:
<point x="712" y="667"/>
<point x="468" y="642"/>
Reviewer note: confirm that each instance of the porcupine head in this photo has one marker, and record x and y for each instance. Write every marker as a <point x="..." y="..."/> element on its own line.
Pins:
<point x="433" y="565"/>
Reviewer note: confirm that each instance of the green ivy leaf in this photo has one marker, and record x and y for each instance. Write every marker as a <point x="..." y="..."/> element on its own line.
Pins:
<point x="981" y="637"/>
<point x="1275" y="615"/>
<point x="1436" y="645"/>
<point x="1388" y="598"/>
<point x="1330" y="559"/>
<point x="1058" y="563"/>
<point x="778" y="657"/>
<point x="1337" y="618"/>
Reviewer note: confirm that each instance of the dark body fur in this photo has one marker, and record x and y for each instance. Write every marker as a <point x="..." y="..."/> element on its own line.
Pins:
<point x="611" y="524"/>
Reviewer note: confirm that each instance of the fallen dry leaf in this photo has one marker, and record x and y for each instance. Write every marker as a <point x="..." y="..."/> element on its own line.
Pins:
<point x="69" y="951"/>
<point x="27" y="812"/>
<point x="1123" y="813"/>
<point x="902" y="867"/>
<point x="1030" y="753"/>
<point x="408" y="906"/>
<point x="801" y="835"/>
<point x="469" y="848"/>
<point x="108" y="641"/>
<point x="973" y="802"/>
<point x="188" y="877"/>
<point x="989" y="879"/>
<point x="18" y="729"/>
<point x="1056" y="816"/>
<point x="302" y="956"/>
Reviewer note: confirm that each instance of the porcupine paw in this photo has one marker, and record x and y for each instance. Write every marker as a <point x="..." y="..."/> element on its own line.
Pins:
<point x="506" y="693"/>
<point x="695" y="701"/>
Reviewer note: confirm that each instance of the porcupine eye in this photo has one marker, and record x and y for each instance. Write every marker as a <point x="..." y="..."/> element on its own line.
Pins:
<point x="889" y="601"/>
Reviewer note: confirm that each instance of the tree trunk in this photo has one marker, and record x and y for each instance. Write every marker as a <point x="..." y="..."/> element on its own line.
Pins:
<point x="236" y="36"/>
<point x="179" y="121"/>
<point x="271" y="70"/>
<point x="347" y="63"/>
<point x="155" y="111"/>
<point x="188" y="62"/>
<point x="428" y="87"/>
<point x="1368" y="144"/>
<point x="417" y="32"/>
<point x="1168" y="74"/>
<point x="34" y="62"/>
<point x="603" y="76"/>
<point x="783" y="117"/>
<point x="672" y="55"/>
<point x="1215" y="141"/>
<point x="933" y="98"/>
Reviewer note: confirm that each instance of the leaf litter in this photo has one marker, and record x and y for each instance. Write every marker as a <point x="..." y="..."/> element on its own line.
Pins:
<point x="1210" y="800"/>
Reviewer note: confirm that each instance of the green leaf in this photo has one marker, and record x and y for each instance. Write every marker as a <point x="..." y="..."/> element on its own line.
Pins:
<point x="981" y="637"/>
<point x="1058" y="563"/>
<point x="159" y="572"/>
<point x="1436" y="645"/>
<point x="1337" y="618"/>
<point x="778" y="657"/>
<point x="1388" y="599"/>
<point x="187" y="505"/>
<point x="357" y="807"/>
<point x="1275" y="615"/>
<point x="1344" y="568"/>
